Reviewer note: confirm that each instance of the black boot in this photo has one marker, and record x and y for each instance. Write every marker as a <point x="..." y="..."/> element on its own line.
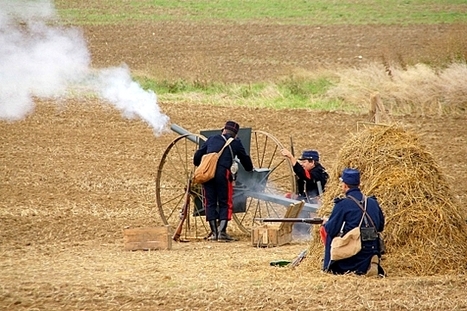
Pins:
<point x="213" y="235"/>
<point x="222" y="232"/>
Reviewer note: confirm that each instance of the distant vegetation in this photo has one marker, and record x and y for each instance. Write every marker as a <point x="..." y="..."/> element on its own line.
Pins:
<point x="418" y="89"/>
<point x="404" y="89"/>
<point x="305" y="12"/>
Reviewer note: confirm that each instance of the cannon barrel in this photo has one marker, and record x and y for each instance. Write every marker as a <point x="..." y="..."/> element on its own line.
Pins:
<point x="180" y="130"/>
<point x="253" y="185"/>
<point x="281" y="200"/>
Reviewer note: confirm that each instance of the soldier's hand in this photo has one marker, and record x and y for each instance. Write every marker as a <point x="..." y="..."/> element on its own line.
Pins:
<point x="286" y="153"/>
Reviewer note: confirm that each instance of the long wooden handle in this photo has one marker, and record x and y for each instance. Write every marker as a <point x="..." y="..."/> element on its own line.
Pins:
<point x="184" y="212"/>
<point x="313" y="221"/>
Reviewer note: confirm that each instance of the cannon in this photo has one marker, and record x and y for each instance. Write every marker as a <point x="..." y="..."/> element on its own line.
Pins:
<point x="256" y="194"/>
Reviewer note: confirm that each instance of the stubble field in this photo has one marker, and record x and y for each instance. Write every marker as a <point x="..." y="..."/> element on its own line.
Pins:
<point x="76" y="173"/>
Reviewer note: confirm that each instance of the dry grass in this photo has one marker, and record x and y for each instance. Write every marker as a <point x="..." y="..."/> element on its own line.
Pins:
<point x="425" y="229"/>
<point x="87" y="276"/>
<point x="416" y="89"/>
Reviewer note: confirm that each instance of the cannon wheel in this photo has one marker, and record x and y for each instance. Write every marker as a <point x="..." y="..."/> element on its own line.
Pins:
<point x="176" y="166"/>
<point x="265" y="152"/>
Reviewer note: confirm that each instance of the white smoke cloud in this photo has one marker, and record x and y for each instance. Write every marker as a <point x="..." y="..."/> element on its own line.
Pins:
<point x="39" y="60"/>
<point x="116" y="86"/>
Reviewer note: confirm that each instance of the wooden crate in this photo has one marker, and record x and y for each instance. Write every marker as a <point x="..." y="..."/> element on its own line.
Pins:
<point x="148" y="238"/>
<point x="269" y="235"/>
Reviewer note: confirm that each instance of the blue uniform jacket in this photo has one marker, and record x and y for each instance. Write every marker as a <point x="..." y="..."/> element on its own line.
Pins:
<point x="309" y="179"/>
<point x="347" y="210"/>
<point x="214" y="144"/>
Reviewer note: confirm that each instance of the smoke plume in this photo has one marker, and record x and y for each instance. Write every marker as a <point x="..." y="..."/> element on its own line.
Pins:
<point x="43" y="60"/>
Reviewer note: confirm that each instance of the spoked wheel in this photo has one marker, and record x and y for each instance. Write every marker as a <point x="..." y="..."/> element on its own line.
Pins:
<point x="265" y="152"/>
<point x="175" y="168"/>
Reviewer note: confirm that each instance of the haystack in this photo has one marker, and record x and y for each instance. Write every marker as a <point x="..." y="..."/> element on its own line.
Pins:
<point x="426" y="230"/>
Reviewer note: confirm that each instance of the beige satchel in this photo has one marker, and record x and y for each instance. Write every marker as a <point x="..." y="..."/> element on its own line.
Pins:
<point x="347" y="245"/>
<point x="207" y="168"/>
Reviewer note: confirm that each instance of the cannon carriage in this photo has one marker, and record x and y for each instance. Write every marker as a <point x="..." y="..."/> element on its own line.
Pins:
<point x="256" y="194"/>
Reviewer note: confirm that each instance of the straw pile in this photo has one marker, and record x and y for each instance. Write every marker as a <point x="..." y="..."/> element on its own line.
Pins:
<point x="426" y="231"/>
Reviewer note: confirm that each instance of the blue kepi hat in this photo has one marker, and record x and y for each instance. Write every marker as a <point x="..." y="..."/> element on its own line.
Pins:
<point x="350" y="176"/>
<point x="310" y="155"/>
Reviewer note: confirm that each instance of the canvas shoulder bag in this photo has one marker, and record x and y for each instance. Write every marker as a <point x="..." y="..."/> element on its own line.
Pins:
<point x="347" y="245"/>
<point x="207" y="168"/>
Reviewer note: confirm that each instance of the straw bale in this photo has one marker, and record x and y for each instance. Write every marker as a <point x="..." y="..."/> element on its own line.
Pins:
<point x="426" y="230"/>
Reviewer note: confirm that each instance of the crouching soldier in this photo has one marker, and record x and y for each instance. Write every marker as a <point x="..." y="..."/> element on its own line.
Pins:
<point x="348" y="213"/>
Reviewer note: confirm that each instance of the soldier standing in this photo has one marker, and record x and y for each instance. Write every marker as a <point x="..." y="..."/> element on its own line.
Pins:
<point x="218" y="192"/>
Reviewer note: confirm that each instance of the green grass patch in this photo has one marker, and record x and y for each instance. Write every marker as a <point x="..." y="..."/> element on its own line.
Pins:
<point x="417" y="89"/>
<point x="291" y="93"/>
<point x="306" y="12"/>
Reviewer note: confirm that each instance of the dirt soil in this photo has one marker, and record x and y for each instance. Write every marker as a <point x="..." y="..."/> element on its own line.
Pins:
<point x="76" y="173"/>
<point x="249" y="53"/>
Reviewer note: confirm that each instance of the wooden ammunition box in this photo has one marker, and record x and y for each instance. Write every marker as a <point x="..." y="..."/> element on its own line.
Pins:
<point x="269" y="235"/>
<point x="149" y="238"/>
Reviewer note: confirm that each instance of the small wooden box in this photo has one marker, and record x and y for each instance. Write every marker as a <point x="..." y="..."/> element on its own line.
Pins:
<point x="148" y="238"/>
<point x="273" y="235"/>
